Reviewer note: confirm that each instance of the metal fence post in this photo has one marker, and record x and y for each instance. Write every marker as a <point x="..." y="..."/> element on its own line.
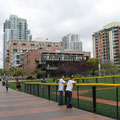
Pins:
<point x="48" y="92"/>
<point x="25" y="88"/>
<point x="117" y="109"/>
<point x="56" y="93"/>
<point x="34" y="89"/>
<point x="105" y="80"/>
<point x="38" y="89"/>
<point x="30" y="88"/>
<point x="113" y="80"/>
<point x="94" y="98"/>
<point x="65" y="97"/>
<point x="87" y="80"/>
<point x="83" y="80"/>
<point x="42" y="90"/>
<point x="96" y="80"/>
<point x="78" y="96"/>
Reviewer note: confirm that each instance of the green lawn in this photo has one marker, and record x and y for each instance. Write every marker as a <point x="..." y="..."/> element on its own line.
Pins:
<point x="108" y="94"/>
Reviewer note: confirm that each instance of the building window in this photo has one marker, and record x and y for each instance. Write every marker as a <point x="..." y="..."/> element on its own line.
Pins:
<point x="24" y="51"/>
<point x="17" y="56"/>
<point x="14" y="43"/>
<point x="23" y="44"/>
<point x="15" y="50"/>
<point x="32" y="44"/>
<point x="17" y="62"/>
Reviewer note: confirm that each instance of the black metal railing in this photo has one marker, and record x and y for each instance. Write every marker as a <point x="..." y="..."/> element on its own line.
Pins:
<point x="90" y="97"/>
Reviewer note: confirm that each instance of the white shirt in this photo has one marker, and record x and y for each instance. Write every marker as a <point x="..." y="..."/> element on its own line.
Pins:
<point x="61" y="85"/>
<point x="70" y="85"/>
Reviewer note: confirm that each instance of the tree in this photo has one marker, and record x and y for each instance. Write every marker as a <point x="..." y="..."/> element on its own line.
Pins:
<point x="74" y="68"/>
<point x="109" y="68"/>
<point x="39" y="73"/>
<point x="95" y="62"/>
<point x="18" y="72"/>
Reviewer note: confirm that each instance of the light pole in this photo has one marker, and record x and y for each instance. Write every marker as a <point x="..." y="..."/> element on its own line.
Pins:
<point x="99" y="66"/>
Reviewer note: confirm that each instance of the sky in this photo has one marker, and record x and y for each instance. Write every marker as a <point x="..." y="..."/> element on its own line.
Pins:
<point x="53" y="19"/>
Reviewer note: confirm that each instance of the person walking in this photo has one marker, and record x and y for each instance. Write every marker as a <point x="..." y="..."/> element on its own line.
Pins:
<point x="4" y="79"/>
<point x="69" y="89"/>
<point x="61" y="89"/>
<point x="7" y="84"/>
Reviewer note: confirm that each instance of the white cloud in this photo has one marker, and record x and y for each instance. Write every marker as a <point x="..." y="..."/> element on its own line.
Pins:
<point x="55" y="18"/>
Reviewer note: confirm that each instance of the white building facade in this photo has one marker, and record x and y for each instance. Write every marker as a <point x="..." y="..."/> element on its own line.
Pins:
<point x="72" y="42"/>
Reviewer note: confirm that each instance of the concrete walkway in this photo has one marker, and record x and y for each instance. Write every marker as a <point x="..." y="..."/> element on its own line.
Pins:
<point x="20" y="106"/>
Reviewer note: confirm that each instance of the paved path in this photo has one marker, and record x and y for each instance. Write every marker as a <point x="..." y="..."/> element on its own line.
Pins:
<point x="20" y="106"/>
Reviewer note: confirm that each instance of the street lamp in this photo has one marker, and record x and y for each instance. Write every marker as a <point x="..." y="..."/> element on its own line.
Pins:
<point x="99" y="66"/>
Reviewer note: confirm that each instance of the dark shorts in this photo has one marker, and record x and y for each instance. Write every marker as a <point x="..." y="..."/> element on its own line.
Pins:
<point x="18" y="87"/>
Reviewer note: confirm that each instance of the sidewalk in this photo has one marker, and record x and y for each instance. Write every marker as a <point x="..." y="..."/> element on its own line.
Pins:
<point x="20" y="106"/>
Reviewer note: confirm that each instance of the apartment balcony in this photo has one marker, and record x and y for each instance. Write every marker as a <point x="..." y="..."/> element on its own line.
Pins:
<point x="61" y="59"/>
<point x="40" y="62"/>
<point x="51" y="68"/>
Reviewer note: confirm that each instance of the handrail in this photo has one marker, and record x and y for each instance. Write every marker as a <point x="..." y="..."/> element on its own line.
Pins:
<point x="99" y="84"/>
<point x="92" y="77"/>
<point x="41" y="83"/>
<point x="45" y="90"/>
<point x="82" y="84"/>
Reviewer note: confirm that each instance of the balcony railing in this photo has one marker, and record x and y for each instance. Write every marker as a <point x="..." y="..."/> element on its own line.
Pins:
<point x="60" y="59"/>
<point x="52" y="68"/>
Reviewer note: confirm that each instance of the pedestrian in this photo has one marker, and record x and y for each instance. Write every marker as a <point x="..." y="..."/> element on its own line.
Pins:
<point x="69" y="89"/>
<point x="18" y="86"/>
<point x="61" y="89"/>
<point x="0" y="78"/>
<point x="43" y="81"/>
<point x="7" y="84"/>
<point x="3" y="81"/>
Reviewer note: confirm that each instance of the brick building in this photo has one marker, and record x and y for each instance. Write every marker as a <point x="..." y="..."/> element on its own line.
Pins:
<point x="106" y="43"/>
<point x="22" y="46"/>
<point x="50" y="58"/>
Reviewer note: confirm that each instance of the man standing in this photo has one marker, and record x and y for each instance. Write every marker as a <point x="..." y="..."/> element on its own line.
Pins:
<point x="61" y="89"/>
<point x="69" y="92"/>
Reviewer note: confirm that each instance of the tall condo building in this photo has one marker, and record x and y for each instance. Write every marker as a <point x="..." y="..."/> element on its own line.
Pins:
<point x="106" y="43"/>
<point x="15" y="28"/>
<point x="72" y="42"/>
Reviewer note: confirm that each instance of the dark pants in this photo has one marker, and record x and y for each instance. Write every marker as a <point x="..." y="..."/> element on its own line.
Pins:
<point x="3" y="83"/>
<point x="69" y="98"/>
<point x="61" y="97"/>
<point x="7" y="88"/>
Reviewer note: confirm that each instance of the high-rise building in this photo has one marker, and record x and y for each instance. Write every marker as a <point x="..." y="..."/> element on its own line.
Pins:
<point x="15" y="28"/>
<point x="72" y="42"/>
<point x="106" y="43"/>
